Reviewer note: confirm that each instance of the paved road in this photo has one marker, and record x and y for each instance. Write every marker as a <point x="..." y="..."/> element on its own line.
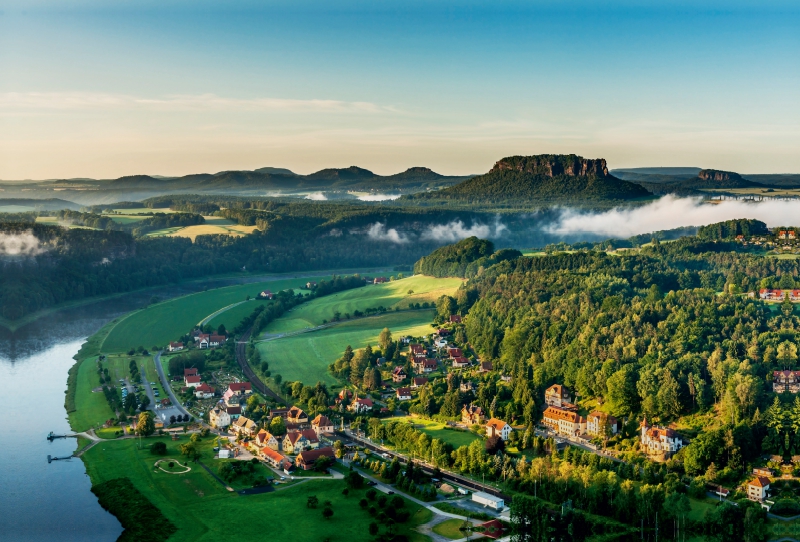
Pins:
<point x="167" y="387"/>
<point x="147" y="388"/>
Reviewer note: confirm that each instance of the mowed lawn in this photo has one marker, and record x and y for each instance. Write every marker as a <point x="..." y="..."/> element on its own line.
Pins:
<point x="436" y="430"/>
<point x="306" y="356"/>
<point x="168" y="321"/>
<point x="203" y="509"/>
<point x="390" y="295"/>
<point x="92" y="409"/>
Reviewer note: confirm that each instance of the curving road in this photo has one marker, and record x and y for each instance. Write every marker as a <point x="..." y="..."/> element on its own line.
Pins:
<point x="241" y="358"/>
<point x="167" y="387"/>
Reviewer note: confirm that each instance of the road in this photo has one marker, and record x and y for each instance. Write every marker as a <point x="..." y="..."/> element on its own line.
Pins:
<point x="167" y="387"/>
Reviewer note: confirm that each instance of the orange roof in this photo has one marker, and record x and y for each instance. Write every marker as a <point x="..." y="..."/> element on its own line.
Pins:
<point x="759" y="481"/>
<point x="555" y="413"/>
<point x="272" y="454"/>
<point x="496" y="424"/>
<point x="321" y="420"/>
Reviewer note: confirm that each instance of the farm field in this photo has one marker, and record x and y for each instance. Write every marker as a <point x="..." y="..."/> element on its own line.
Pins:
<point x="436" y="430"/>
<point x="167" y="321"/>
<point x="214" y="226"/>
<point x="389" y="295"/>
<point x="202" y="508"/>
<point x="306" y="356"/>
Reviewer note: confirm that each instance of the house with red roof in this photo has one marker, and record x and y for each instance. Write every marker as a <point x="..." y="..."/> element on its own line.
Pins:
<point x="399" y="374"/>
<point x="758" y="488"/>
<point x="296" y="415"/>
<point x="403" y="394"/>
<point x="240" y="388"/>
<point x="455" y="319"/>
<point x="454" y="352"/>
<point x="322" y="425"/>
<point x="275" y="458"/>
<point x="175" y="346"/>
<point x="307" y="458"/>
<point x="499" y="428"/>
<point x="659" y="441"/>
<point x="460" y="362"/>
<point x="191" y="371"/>
<point x="203" y="391"/>
<point x="360" y="405"/>
<point x="192" y="381"/>
<point x="297" y="441"/>
<point x="418" y="381"/>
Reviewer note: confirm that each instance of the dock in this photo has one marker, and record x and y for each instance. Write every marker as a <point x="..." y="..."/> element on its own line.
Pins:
<point x="50" y="458"/>
<point x="52" y="436"/>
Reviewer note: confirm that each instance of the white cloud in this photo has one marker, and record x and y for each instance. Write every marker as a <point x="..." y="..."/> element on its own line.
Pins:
<point x="671" y="212"/>
<point x="456" y="230"/>
<point x="178" y="102"/>
<point x="378" y="232"/>
<point x="19" y="244"/>
<point x="316" y="196"/>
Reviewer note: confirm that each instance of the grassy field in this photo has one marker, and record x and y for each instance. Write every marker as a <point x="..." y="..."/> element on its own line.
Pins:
<point x="203" y="509"/>
<point x="390" y="295"/>
<point x="306" y="356"/>
<point x="436" y="430"/>
<point x="214" y="225"/>
<point x="92" y="407"/>
<point x="169" y="320"/>
<point x="15" y="209"/>
<point x="450" y="529"/>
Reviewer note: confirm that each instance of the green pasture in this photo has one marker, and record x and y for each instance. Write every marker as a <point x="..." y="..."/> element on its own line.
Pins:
<point x="202" y="509"/>
<point x="169" y="320"/>
<point x="92" y="409"/>
<point x="390" y="295"/>
<point x="231" y="317"/>
<point x="306" y="356"/>
<point x="436" y="430"/>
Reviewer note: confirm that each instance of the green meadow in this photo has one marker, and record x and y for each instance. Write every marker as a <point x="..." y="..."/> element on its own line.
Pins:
<point x="167" y="321"/>
<point x="436" y="430"/>
<point x="390" y="295"/>
<point x="306" y="356"/>
<point x="203" y="510"/>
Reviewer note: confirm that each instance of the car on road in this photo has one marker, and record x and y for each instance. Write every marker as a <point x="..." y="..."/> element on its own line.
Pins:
<point x="390" y="492"/>
<point x="152" y="383"/>
<point x="371" y="483"/>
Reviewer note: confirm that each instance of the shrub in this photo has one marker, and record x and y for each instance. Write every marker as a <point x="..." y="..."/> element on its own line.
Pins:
<point x="158" y="448"/>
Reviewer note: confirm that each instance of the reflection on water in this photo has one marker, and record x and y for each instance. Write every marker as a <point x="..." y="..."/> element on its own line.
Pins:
<point x="41" y="501"/>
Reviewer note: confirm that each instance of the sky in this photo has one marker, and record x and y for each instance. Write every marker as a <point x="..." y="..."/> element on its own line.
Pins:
<point x="104" y="89"/>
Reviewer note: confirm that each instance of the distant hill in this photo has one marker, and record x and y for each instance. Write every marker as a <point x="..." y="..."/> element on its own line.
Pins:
<point x="277" y="170"/>
<point x="49" y="204"/>
<point x="706" y="179"/>
<point x="541" y="179"/>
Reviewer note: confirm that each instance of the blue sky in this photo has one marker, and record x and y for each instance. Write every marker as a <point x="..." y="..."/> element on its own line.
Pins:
<point x="88" y="89"/>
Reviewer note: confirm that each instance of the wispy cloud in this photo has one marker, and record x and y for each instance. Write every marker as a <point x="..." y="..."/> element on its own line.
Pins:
<point x="19" y="244"/>
<point x="178" y="102"/>
<point x="378" y="232"/>
<point x="456" y="230"/>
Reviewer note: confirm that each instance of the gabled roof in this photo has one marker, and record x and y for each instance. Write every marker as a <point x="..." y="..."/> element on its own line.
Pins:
<point x="263" y="436"/>
<point x="322" y="421"/>
<point x="272" y="454"/>
<point x="192" y="371"/>
<point x="403" y="391"/>
<point x="192" y="379"/>
<point x="420" y="380"/>
<point x="204" y="388"/>
<point x="308" y="434"/>
<point x="498" y="425"/>
<point x="398" y="370"/>
<point x="296" y="412"/>
<point x="366" y="401"/>
<point x="309" y="456"/>
<point x="759" y="481"/>
<point x="241" y="386"/>
<point x="556" y="413"/>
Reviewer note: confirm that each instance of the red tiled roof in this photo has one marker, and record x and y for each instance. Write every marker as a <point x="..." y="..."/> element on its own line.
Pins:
<point x="307" y="457"/>
<point x="496" y="424"/>
<point x="241" y="386"/>
<point x="190" y="372"/>
<point x="192" y="379"/>
<point x="759" y="481"/>
<point x="272" y="454"/>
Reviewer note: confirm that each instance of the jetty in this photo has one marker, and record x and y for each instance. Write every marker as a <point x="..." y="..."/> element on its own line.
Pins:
<point x="50" y="458"/>
<point x="52" y="436"/>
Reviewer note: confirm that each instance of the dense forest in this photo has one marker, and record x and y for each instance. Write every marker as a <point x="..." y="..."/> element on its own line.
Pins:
<point x="466" y="258"/>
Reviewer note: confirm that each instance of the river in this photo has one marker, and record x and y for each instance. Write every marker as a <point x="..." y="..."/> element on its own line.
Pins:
<point x="41" y="501"/>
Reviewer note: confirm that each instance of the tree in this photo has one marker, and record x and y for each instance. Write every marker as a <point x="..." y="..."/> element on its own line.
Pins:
<point x="385" y="339"/>
<point x="145" y="426"/>
<point x="327" y="512"/>
<point x="188" y="449"/>
<point x="494" y="444"/>
<point x="158" y="448"/>
<point x="338" y="449"/>
<point x="359" y="364"/>
<point x="445" y="306"/>
<point x="312" y="501"/>
<point x="373" y="529"/>
<point x="276" y="426"/>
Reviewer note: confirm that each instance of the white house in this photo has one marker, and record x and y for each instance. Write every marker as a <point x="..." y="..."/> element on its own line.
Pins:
<point x="175" y="346"/>
<point x="498" y="428"/>
<point x="219" y="418"/>
<point x="403" y="394"/>
<point x="659" y="440"/>
<point x="757" y="488"/>
<point x="203" y="391"/>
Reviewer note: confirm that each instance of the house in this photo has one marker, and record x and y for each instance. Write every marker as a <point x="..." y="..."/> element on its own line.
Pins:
<point x="758" y="488"/>
<point x="202" y="340"/>
<point x="244" y="426"/>
<point x="311" y="285"/>
<point x="763" y="471"/>
<point x="266" y="439"/>
<point x="274" y="458"/>
<point x="216" y="340"/>
<point x="418" y="382"/>
<point x="296" y="441"/>
<point x="779" y="295"/>
<point x="234" y="412"/>
<point x="175" y="346"/>
<point x="380" y="280"/>
<point x="192" y="381"/>
<point x="563" y="421"/>
<point x="321" y="424"/>
<point x="296" y="415"/>
<point x="440" y="343"/>
<point x="417" y="350"/>
<point x="466" y="387"/>
<point x="240" y="388"/>
<point x="203" y="391"/>
<point x="191" y="371"/>
<point x="455" y="353"/>
<point x="280" y="412"/>
<point x="472" y="415"/>
<point x="218" y="417"/>
<point x="460" y="362"/>
<point x="659" y="441"/>
<point x="266" y="294"/>
<point x="597" y="423"/>
<point x="786" y="381"/>
<point x="403" y="394"/>
<point x="306" y="459"/>
<point x="499" y="428"/>
<point x="360" y="405"/>
<point x="455" y="319"/>
<point x="399" y="374"/>
<point x="443" y="332"/>
<point x="557" y="396"/>
<point x="486" y="366"/>
<point x="425" y="365"/>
